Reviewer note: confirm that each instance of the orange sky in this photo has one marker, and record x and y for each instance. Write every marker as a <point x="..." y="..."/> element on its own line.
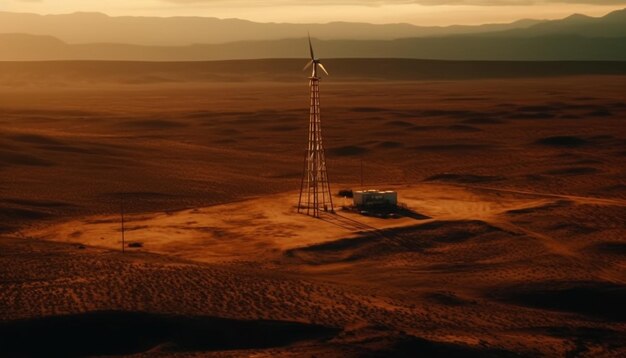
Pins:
<point x="420" y="12"/>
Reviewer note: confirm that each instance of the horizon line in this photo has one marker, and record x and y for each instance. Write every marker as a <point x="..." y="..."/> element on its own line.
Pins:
<point x="100" y="13"/>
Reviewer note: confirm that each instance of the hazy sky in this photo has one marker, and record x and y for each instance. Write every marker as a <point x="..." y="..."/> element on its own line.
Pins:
<point x="420" y="12"/>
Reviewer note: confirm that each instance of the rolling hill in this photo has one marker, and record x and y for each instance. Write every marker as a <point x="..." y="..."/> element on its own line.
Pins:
<point x="81" y="28"/>
<point x="21" y="47"/>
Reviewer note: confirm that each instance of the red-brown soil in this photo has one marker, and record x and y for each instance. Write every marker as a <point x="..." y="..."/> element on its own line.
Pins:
<point x="518" y="248"/>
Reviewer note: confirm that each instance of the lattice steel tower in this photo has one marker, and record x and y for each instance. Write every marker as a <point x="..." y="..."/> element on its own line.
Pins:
<point x="315" y="192"/>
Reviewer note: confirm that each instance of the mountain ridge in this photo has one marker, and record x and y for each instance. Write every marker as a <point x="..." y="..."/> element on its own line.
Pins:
<point x="81" y="27"/>
<point x="612" y="24"/>
<point x="575" y="37"/>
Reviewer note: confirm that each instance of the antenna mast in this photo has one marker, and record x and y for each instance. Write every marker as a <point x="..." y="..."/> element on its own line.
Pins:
<point x="122" y="217"/>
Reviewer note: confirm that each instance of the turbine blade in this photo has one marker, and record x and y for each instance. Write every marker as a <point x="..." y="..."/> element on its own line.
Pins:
<point x="323" y="69"/>
<point x="307" y="65"/>
<point x="311" y="48"/>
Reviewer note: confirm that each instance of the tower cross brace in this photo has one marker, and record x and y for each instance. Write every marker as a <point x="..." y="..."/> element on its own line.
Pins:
<point x="315" y="194"/>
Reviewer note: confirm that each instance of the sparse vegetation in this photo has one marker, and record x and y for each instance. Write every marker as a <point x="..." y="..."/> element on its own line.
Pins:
<point x="505" y="253"/>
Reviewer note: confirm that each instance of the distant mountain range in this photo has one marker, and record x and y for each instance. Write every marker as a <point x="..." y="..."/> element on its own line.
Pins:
<point x="576" y="37"/>
<point x="610" y="25"/>
<point x="81" y="28"/>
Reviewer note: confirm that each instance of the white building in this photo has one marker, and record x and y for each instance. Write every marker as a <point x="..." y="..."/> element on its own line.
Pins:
<point x="375" y="197"/>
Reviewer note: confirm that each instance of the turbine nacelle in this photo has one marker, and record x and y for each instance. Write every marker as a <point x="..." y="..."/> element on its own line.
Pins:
<point x="315" y="62"/>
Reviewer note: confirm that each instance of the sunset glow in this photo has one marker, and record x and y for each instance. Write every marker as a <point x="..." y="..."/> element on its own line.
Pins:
<point x="291" y="178"/>
<point x="427" y="12"/>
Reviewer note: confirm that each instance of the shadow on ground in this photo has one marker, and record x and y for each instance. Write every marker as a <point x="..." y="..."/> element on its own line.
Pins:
<point x="600" y="300"/>
<point x="123" y="333"/>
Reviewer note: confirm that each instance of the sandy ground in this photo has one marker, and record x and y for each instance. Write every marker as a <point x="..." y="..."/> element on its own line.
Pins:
<point x="518" y="248"/>
<point x="266" y="227"/>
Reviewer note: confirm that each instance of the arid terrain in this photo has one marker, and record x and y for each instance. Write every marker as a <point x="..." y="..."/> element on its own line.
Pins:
<point x="514" y="247"/>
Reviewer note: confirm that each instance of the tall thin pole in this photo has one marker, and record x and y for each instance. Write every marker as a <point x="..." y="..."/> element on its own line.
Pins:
<point x="122" y="215"/>
<point x="361" y="173"/>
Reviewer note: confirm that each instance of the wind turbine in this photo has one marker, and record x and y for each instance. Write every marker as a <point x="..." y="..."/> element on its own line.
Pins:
<point x="315" y="191"/>
<point x="316" y="62"/>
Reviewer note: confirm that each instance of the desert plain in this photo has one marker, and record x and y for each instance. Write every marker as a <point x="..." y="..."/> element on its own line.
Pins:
<point x="515" y="182"/>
